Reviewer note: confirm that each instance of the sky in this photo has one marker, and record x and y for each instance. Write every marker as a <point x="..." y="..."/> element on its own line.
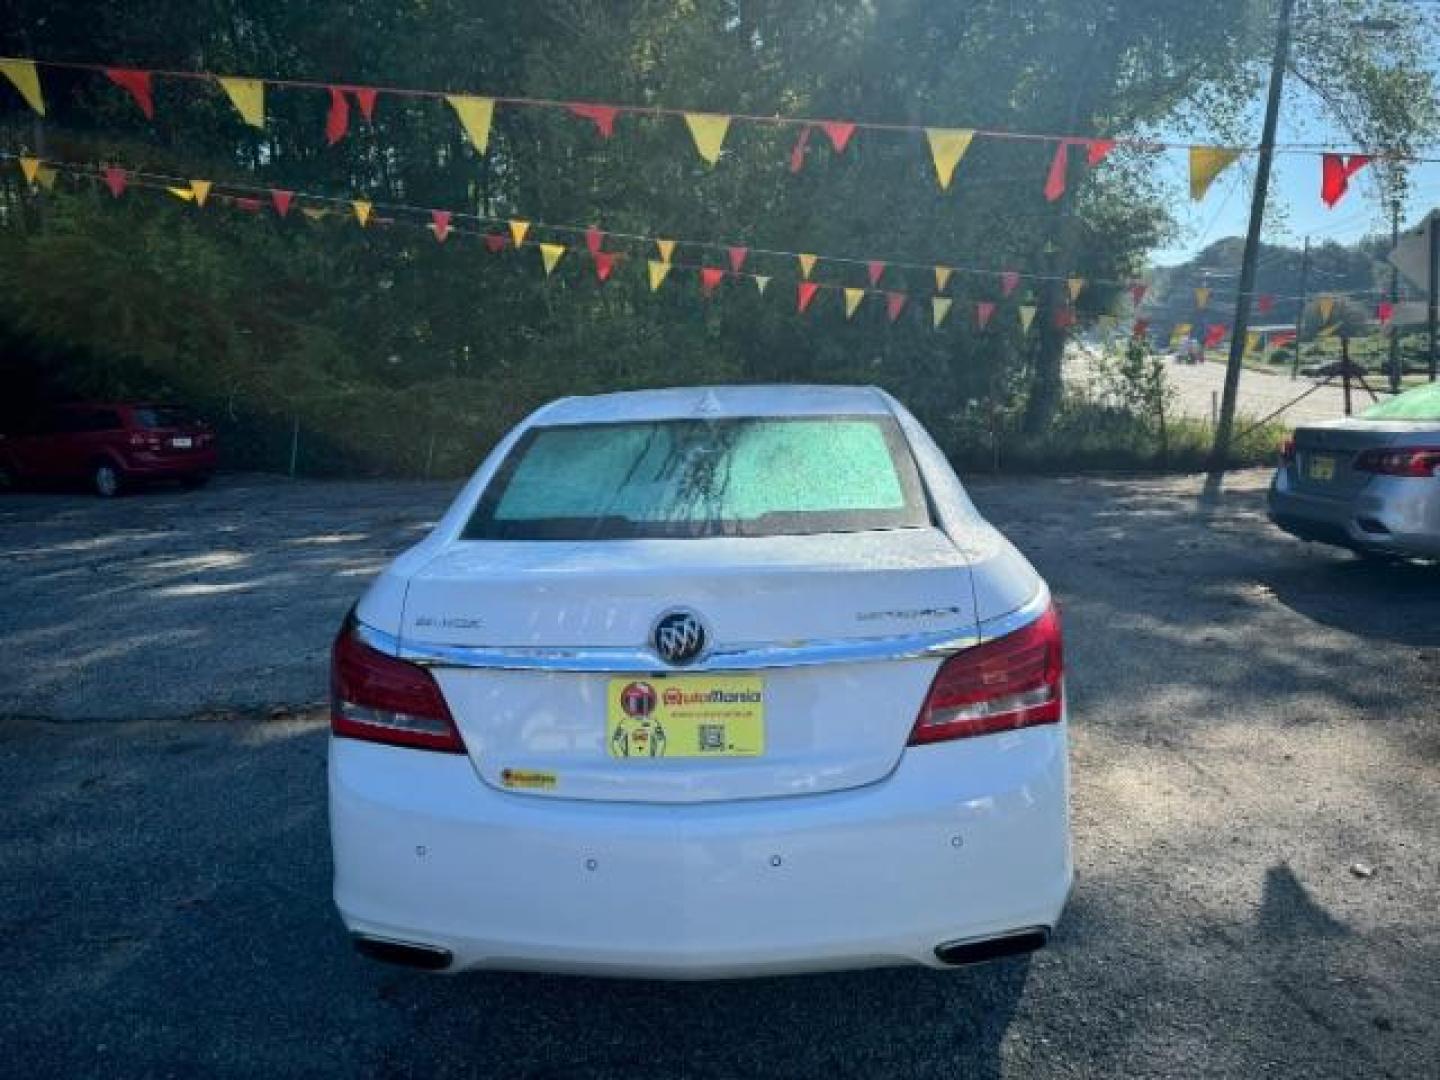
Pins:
<point x="1294" y="209"/>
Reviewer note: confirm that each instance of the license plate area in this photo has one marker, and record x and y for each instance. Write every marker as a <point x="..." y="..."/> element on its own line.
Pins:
<point x="182" y="442"/>
<point x="685" y="716"/>
<point x="1320" y="467"/>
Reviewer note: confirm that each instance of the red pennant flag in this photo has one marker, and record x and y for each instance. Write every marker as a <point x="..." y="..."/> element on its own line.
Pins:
<point x="1055" y="181"/>
<point x="710" y="278"/>
<point x="1214" y="334"/>
<point x="839" y="132"/>
<point x="894" y="304"/>
<point x="138" y="83"/>
<point x="1008" y="280"/>
<point x="338" y="120"/>
<point x="602" y="116"/>
<point x="737" y="258"/>
<point x="876" y="269"/>
<point x="983" y="310"/>
<point x="281" y="198"/>
<point x="594" y="239"/>
<point x="604" y="263"/>
<point x="1335" y="173"/>
<point x="1141" y="328"/>
<point x="1098" y="150"/>
<point x="1137" y="292"/>
<point x="495" y="242"/>
<point x="1064" y="318"/>
<point x="1266" y="303"/>
<point x="115" y="180"/>
<point x="365" y="98"/>
<point x="440" y="224"/>
<point x="807" y="292"/>
<point x="1385" y="311"/>
<point x="1281" y="338"/>
<point x="797" y="152"/>
<point x="250" y="206"/>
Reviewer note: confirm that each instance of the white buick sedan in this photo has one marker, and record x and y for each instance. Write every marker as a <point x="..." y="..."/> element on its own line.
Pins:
<point x="703" y="682"/>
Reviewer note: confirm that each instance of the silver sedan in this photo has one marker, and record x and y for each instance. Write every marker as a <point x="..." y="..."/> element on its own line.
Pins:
<point x="1370" y="483"/>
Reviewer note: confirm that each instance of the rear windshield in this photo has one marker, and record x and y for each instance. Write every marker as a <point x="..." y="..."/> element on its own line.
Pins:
<point x="162" y="418"/>
<point x="771" y="476"/>
<point x="1422" y="403"/>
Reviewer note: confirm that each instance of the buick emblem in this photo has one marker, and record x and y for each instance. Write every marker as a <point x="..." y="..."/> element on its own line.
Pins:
<point x="679" y="636"/>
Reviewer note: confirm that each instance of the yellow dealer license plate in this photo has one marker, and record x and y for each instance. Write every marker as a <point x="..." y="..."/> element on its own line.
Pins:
<point x="1322" y="467"/>
<point x="685" y="716"/>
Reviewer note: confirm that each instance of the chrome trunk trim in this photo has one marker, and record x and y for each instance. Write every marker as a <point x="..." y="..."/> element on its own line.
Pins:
<point x="733" y="658"/>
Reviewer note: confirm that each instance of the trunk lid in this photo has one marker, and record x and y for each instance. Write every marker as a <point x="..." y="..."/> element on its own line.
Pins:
<point x="537" y="724"/>
<point x="1325" y="453"/>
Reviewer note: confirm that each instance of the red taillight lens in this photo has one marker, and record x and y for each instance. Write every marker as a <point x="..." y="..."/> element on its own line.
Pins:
<point x="1400" y="461"/>
<point x="381" y="699"/>
<point x="1287" y="451"/>
<point x="1011" y="682"/>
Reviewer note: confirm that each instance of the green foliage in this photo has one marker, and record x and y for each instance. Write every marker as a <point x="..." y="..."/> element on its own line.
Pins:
<point x="393" y="351"/>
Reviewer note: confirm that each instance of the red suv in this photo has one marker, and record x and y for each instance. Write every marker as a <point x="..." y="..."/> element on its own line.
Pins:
<point x="111" y="445"/>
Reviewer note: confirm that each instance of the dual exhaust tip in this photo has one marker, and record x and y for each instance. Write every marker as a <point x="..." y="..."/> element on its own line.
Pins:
<point x="955" y="953"/>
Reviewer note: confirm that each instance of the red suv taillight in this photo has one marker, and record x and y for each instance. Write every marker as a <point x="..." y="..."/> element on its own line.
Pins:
<point x="1400" y="461"/>
<point x="1011" y="682"/>
<point x="381" y="699"/>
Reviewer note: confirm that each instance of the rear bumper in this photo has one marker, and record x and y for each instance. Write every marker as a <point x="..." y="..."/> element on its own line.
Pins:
<point x="965" y="840"/>
<point x="156" y="466"/>
<point x="1390" y="515"/>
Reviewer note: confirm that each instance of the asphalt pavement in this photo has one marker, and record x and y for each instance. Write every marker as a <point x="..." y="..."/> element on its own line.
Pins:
<point x="1257" y="817"/>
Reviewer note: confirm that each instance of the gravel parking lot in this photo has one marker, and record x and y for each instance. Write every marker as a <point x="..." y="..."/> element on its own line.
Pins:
<point x="1253" y="717"/>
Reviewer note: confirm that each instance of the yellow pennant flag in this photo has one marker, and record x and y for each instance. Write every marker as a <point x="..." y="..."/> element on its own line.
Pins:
<point x="1202" y="297"/>
<point x="940" y="307"/>
<point x="667" y="248"/>
<point x="708" y="131"/>
<point x="1027" y="316"/>
<point x="1252" y="341"/>
<point x="947" y="147"/>
<point x="22" y="73"/>
<point x="807" y="264"/>
<point x="761" y="280"/>
<point x="852" y="300"/>
<point x="518" y="229"/>
<point x="362" y="210"/>
<point x="1325" y="305"/>
<point x="248" y="97"/>
<point x="659" y="268"/>
<point x="1206" y="163"/>
<point x="550" y="255"/>
<point x="30" y="166"/>
<point x="182" y="193"/>
<point x="200" y="189"/>
<point x="475" y="115"/>
<point x="1180" y="333"/>
<point x="942" y="277"/>
<point x="1076" y="285"/>
<point x="46" y="175"/>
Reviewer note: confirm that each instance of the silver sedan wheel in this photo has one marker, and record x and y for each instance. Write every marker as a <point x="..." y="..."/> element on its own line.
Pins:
<point x="107" y="481"/>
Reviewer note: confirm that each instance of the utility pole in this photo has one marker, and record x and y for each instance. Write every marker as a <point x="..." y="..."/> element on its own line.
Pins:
<point x="1434" y="291"/>
<point x="1225" y="429"/>
<point x="1394" y="299"/>
<point x="1345" y="367"/>
<point x="1300" y="311"/>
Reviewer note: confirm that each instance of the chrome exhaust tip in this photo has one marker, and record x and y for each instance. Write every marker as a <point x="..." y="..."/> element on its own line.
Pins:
<point x="405" y="953"/>
<point x="978" y="950"/>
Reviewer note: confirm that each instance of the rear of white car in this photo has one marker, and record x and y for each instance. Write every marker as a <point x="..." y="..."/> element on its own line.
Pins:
<point x="703" y="683"/>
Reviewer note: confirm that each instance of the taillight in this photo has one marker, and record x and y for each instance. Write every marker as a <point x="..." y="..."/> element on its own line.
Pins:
<point x="378" y="698"/>
<point x="1400" y="461"/>
<point x="1011" y="682"/>
<point x="1287" y="450"/>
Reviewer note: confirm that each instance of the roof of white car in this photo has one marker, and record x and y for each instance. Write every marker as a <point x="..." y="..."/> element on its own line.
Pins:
<point x="711" y="402"/>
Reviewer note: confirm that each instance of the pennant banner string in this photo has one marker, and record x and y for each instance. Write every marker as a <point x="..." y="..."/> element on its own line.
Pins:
<point x="18" y="69"/>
